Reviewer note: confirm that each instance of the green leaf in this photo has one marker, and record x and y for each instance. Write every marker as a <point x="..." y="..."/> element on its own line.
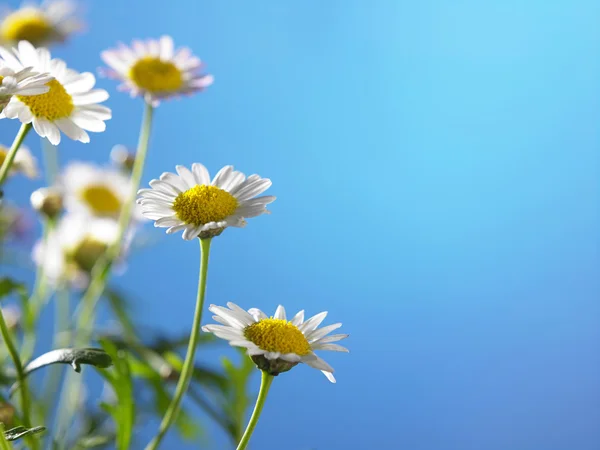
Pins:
<point x="124" y="411"/>
<point x="73" y="356"/>
<point x="235" y="397"/>
<point x="4" y="445"/>
<point x="18" y="432"/>
<point x="8" y="286"/>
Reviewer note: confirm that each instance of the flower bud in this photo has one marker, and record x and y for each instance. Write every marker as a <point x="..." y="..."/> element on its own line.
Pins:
<point x="123" y="158"/>
<point x="48" y="202"/>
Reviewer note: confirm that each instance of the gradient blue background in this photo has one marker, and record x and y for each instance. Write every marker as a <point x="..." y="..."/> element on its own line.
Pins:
<point x="437" y="172"/>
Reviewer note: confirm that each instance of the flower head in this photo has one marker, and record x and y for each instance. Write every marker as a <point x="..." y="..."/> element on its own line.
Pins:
<point x="276" y="344"/>
<point x="52" y="21"/>
<point x="24" y="162"/>
<point x="70" y="105"/>
<point x="96" y="191"/>
<point x="191" y="202"/>
<point x="48" y="201"/>
<point x="155" y="70"/>
<point x="74" y="247"/>
<point x="24" y="82"/>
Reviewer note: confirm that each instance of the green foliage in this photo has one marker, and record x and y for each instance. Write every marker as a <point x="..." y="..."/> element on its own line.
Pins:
<point x="123" y="412"/>
<point x="18" y="432"/>
<point x="235" y="401"/>
<point x="9" y="286"/>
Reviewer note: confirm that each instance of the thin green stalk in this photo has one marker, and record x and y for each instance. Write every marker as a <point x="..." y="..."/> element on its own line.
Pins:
<point x="86" y="315"/>
<point x="24" y="391"/>
<point x="61" y="340"/>
<point x="36" y="300"/>
<point x="50" y="161"/>
<point x="102" y="268"/>
<point x="188" y="365"/>
<point x="10" y="157"/>
<point x="265" y="384"/>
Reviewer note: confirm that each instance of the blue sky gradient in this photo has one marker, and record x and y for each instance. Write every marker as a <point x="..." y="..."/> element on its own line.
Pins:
<point x="436" y="166"/>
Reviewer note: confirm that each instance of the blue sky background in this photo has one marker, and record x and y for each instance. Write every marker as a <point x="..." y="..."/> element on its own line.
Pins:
<point x="437" y="170"/>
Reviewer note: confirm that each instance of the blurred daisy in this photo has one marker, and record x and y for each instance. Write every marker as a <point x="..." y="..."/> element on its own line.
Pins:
<point x="23" y="82"/>
<point x="52" y="21"/>
<point x="276" y="344"/>
<point x="24" y="162"/>
<point x="154" y="70"/>
<point x="97" y="191"/>
<point x="71" y="104"/>
<point x="74" y="247"/>
<point x="200" y="207"/>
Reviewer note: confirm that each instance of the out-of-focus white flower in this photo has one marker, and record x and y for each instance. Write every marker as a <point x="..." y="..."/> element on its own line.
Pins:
<point x="97" y="191"/>
<point x="71" y="105"/>
<point x="154" y="70"/>
<point x="73" y="248"/>
<point x="50" y="22"/>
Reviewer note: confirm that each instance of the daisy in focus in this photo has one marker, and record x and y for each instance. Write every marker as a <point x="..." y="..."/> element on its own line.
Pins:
<point x="96" y="191"/>
<point x="74" y="247"/>
<point x="154" y="70"/>
<point x="190" y="202"/>
<point x="52" y="21"/>
<point x="70" y="105"/>
<point x="23" y="82"/>
<point x="24" y="162"/>
<point x="276" y="344"/>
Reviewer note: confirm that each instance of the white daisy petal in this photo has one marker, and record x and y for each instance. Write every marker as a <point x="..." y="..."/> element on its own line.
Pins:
<point x="332" y="338"/>
<point x="332" y="347"/>
<point x="313" y="322"/>
<point x="280" y="313"/>
<point x="298" y="319"/>
<point x="257" y="314"/>
<point x="319" y="333"/>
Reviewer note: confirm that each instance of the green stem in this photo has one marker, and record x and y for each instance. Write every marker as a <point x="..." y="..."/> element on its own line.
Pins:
<point x="61" y="340"/>
<point x="265" y="384"/>
<point x="188" y="365"/>
<point x="24" y="391"/>
<point x="50" y="161"/>
<point x="37" y="299"/>
<point x="86" y="315"/>
<point x="102" y="268"/>
<point x="10" y="157"/>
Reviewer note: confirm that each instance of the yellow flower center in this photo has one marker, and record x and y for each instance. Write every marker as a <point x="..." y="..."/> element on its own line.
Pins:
<point x="54" y="104"/>
<point x="156" y="76"/>
<point x="204" y="204"/>
<point x="277" y="335"/>
<point x="101" y="200"/>
<point x="3" y="153"/>
<point x="87" y="253"/>
<point x="26" y="25"/>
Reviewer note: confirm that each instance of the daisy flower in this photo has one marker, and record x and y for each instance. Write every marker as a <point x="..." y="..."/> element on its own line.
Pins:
<point x="23" y="82"/>
<point x="24" y="162"/>
<point x="73" y="248"/>
<point x="51" y="21"/>
<point x="191" y="202"/>
<point x="276" y="344"/>
<point x="70" y="105"/>
<point x="155" y="70"/>
<point x="97" y="191"/>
